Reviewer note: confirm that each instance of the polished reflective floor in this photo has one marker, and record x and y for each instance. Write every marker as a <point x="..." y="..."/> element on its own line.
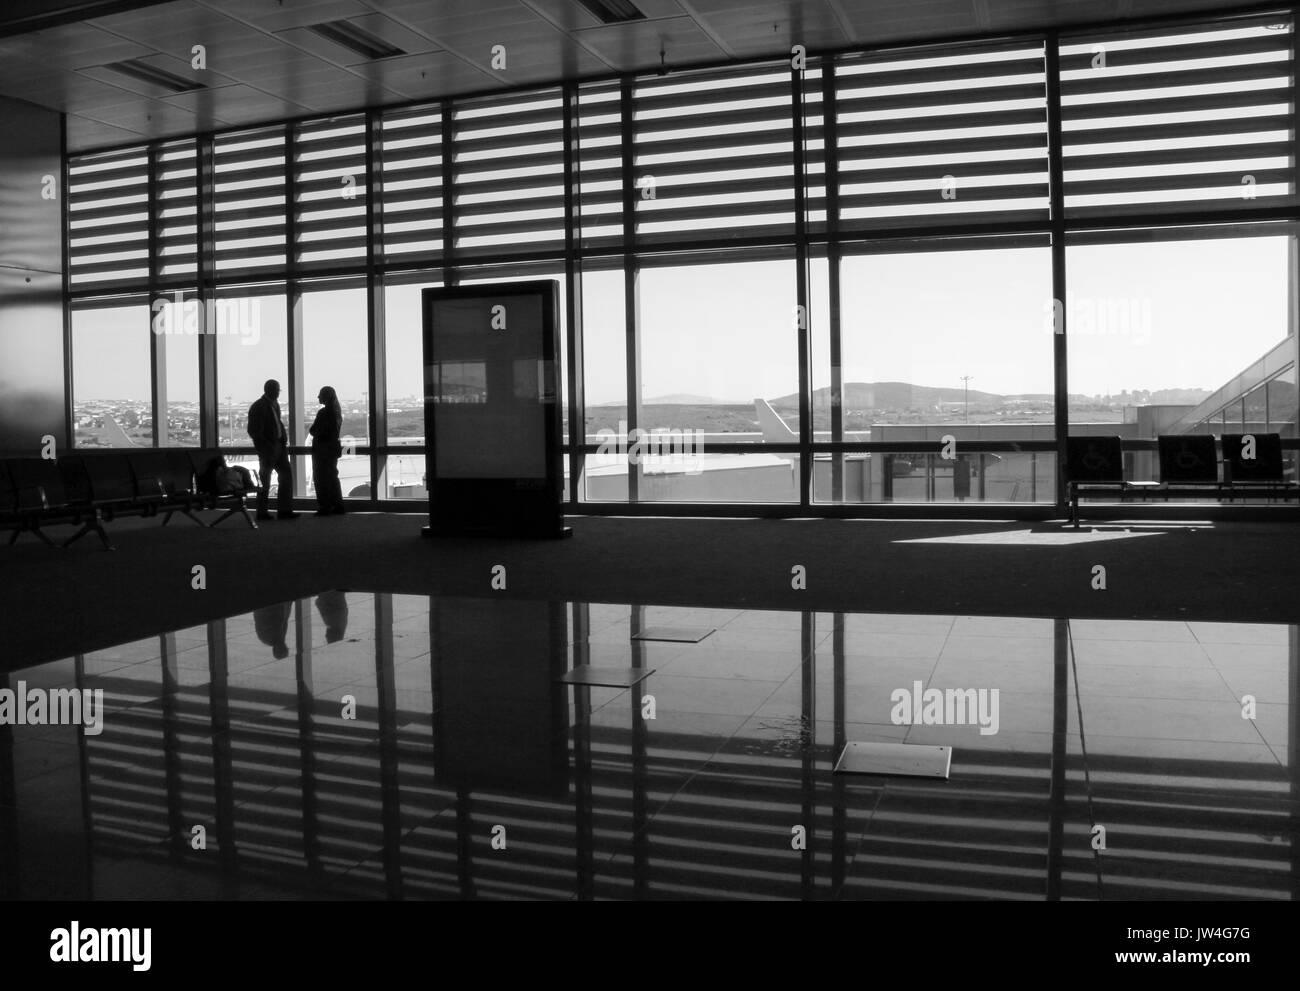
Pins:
<point x="359" y="745"/>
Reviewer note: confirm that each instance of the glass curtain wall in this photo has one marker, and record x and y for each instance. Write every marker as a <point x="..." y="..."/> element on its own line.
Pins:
<point x="829" y="286"/>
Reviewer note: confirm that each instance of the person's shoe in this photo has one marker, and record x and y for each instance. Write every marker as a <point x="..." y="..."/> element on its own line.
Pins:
<point x="339" y="510"/>
<point x="265" y="516"/>
<point x="286" y="516"/>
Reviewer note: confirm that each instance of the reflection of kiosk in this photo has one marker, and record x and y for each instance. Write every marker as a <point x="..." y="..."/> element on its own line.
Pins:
<point x="501" y="720"/>
<point x="492" y="417"/>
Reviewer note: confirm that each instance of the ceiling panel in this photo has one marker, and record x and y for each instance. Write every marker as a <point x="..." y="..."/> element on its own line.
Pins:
<point x="152" y="118"/>
<point x="262" y="56"/>
<point x="72" y="46"/>
<point x="1015" y="15"/>
<point x="175" y="27"/>
<point x="757" y="30"/>
<point x="237" y="104"/>
<point x="636" y="44"/>
<point x="86" y="133"/>
<point x="287" y="13"/>
<point x="427" y="76"/>
<point x="535" y="50"/>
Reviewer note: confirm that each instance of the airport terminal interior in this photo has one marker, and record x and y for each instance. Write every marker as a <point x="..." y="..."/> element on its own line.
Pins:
<point x="800" y="449"/>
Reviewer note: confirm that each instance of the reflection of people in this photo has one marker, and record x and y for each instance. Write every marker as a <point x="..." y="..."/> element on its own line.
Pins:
<point x="266" y="428"/>
<point x="325" y="451"/>
<point x="272" y="626"/>
<point x="333" y="609"/>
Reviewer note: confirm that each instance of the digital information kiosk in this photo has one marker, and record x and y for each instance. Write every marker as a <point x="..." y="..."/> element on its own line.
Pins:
<point x="492" y="418"/>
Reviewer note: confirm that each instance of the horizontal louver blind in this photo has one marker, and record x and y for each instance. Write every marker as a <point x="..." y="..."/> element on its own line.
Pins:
<point x="1194" y="119"/>
<point x="108" y="215"/>
<point x="412" y="185"/>
<point x="600" y="167"/>
<point x="814" y="148"/>
<point x="331" y="187"/>
<point x="176" y="201"/>
<point x="714" y="156"/>
<point x="955" y="138"/>
<point x="509" y="175"/>
<point x="249" y="195"/>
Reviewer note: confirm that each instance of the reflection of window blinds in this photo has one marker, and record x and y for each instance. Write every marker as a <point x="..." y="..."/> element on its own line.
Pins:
<point x="972" y="833"/>
<point x="108" y="211"/>
<point x="714" y="156"/>
<point x="933" y="138"/>
<point x="176" y="200"/>
<point x="249" y="195"/>
<point x="412" y="185"/>
<point x="330" y="189"/>
<point x="509" y="175"/>
<point x="1181" y="119"/>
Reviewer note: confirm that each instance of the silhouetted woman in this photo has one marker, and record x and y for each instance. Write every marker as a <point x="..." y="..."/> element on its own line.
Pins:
<point x="326" y="448"/>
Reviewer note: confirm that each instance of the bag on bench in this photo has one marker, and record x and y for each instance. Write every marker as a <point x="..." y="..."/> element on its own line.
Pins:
<point x="220" y="478"/>
<point x="233" y="480"/>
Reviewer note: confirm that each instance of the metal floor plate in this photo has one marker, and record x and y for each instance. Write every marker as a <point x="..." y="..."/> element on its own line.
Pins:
<point x="909" y="760"/>
<point x="586" y="674"/>
<point x="675" y="634"/>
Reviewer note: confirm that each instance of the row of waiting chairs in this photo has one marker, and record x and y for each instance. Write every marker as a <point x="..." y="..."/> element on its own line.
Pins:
<point x="1252" y="466"/>
<point x="89" y="490"/>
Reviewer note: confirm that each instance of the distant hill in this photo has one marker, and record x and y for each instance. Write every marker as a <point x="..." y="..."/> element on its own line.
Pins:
<point x="901" y="395"/>
<point x="893" y="395"/>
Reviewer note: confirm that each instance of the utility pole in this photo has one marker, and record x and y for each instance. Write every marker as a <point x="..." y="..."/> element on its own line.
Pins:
<point x="965" y="379"/>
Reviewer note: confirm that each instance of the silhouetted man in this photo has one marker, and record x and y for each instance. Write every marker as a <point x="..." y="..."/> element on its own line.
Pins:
<point x="266" y="428"/>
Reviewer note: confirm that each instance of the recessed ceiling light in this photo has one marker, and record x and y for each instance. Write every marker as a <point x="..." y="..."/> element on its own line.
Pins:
<point x="613" y="11"/>
<point x="353" y="38"/>
<point x="157" y="77"/>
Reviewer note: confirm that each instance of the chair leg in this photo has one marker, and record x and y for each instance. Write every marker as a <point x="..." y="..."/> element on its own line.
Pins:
<point x="184" y="511"/>
<point x="242" y="509"/>
<point x="44" y="536"/>
<point x="93" y="523"/>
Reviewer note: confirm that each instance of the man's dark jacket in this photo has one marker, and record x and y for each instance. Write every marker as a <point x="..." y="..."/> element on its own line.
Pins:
<point x="264" y="426"/>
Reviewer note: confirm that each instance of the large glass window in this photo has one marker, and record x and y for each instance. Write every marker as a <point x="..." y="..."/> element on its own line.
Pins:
<point x="404" y="473"/>
<point x="1154" y="329"/>
<point x="334" y="353"/>
<point x="946" y="343"/>
<point x="1282" y="403"/>
<point x="604" y="367"/>
<point x="112" y="402"/>
<point x="719" y="364"/>
<point x="176" y="326"/>
<point x="252" y="346"/>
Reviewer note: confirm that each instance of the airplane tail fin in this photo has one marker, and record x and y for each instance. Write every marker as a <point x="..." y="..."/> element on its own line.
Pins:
<point x="775" y="430"/>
